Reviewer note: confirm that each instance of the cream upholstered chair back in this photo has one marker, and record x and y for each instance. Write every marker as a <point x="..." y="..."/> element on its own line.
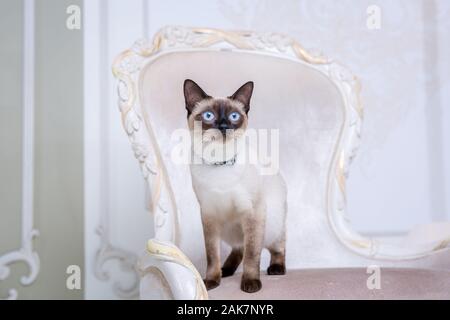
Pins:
<point x="312" y="103"/>
<point x="296" y="100"/>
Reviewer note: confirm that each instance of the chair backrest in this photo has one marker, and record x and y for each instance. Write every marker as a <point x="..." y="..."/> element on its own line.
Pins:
<point x="312" y="101"/>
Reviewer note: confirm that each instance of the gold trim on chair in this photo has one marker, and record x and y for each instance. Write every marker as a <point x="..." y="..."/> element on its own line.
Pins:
<point x="170" y="253"/>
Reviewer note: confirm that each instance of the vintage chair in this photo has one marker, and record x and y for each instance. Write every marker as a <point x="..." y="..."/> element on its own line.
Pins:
<point x="314" y="102"/>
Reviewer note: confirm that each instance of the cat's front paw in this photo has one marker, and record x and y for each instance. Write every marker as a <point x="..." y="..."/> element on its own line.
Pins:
<point x="276" y="269"/>
<point x="211" y="284"/>
<point x="250" y="285"/>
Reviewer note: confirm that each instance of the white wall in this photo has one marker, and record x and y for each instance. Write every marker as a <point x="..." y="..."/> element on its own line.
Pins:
<point x="401" y="176"/>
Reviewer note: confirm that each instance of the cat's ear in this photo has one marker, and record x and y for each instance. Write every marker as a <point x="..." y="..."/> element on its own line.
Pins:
<point x="244" y="94"/>
<point x="193" y="94"/>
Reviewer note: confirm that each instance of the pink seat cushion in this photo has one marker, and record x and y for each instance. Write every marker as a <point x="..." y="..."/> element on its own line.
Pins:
<point x="344" y="283"/>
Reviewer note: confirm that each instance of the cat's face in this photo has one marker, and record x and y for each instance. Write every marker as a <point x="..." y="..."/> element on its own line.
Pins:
<point x="221" y="119"/>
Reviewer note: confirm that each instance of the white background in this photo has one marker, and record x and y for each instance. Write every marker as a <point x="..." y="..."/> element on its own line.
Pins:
<point x="401" y="176"/>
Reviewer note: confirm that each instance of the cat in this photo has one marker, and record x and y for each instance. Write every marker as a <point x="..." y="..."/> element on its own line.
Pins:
<point x="238" y="205"/>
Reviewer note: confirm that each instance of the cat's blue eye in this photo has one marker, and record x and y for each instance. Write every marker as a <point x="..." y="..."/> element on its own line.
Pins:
<point x="234" y="116"/>
<point x="208" y="116"/>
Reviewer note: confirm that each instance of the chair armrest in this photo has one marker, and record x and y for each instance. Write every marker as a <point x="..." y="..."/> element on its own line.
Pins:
<point x="166" y="272"/>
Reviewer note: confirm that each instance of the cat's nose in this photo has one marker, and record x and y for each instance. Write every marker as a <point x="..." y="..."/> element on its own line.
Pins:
<point x="223" y="126"/>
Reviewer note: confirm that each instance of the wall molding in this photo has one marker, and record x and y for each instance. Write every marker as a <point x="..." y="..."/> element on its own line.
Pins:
<point x="26" y="253"/>
<point x="106" y="254"/>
